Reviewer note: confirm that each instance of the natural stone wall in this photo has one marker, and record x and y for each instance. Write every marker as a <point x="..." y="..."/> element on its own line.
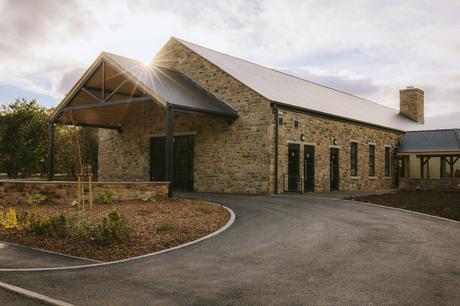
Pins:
<point x="320" y="132"/>
<point x="412" y="104"/>
<point x="447" y="184"/>
<point x="239" y="157"/>
<point x="17" y="191"/>
<point x="228" y="157"/>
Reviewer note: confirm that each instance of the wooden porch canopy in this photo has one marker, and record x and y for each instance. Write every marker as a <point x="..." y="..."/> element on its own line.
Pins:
<point x="443" y="144"/>
<point x="115" y="84"/>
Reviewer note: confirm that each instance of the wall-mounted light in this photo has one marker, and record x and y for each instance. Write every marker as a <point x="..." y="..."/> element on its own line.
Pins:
<point x="302" y="137"/>
<point x="335" y="142"/>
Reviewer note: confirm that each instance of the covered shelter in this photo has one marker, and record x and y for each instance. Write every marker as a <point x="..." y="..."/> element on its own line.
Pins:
<point x="431" y="155"/>
<point x="114" y="85"/>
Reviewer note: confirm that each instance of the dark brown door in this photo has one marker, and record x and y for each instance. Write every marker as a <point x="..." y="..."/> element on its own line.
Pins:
<point x="183" y="161"/>
<point x="157" y="159"/>
<point x="293" y="167"/>
<point x="309" y="168"/>
<point x="334" y="169"/>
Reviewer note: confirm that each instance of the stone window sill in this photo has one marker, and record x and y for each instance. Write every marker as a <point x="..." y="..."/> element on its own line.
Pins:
<point x="355" y="177"/>
<point x="372" y="177"/>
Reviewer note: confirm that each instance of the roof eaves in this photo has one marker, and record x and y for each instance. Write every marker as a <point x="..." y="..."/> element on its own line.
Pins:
<point x="285" y="105"/>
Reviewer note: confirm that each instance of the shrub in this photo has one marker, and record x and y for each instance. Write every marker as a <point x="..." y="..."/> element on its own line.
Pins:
<point x="36" y="225"/>
<point x="76" y="224"/>
<point x="57" y="227"/>
<point x="23" y="218"/>
<point x="110" y="229"/>
<point x="106" y="197"/>
<point x="37" y="198"/>
<point x="166" y="225"/>
<point x="10" y="220"/>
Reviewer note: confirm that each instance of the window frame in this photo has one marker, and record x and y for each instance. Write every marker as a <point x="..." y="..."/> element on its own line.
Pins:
<point x="354" y="158"/>
<point x="372" y="160"/>
<point x="387" y="161"/>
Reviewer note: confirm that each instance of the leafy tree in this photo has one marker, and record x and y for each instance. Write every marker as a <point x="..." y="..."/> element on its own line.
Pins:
<point x="23" y="141"/>
<point x="66" y="150"/>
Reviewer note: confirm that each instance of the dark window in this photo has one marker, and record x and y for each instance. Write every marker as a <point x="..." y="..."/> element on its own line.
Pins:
<point x="354" y="159"/>
<point x="387" y="161"/>
<point x="296" y="124"/>
<point x="371" y="160"/>
<point x="280" y="120"/>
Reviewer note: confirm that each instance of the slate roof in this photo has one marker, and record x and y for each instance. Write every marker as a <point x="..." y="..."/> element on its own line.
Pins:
<point x="285" y="89"/>
<point x="431" y="141"/>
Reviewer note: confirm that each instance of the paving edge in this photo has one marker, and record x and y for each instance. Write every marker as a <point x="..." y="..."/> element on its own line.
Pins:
<point x="33" y="295"/>
<point x="99" y="264"/>
<point x="390" y="207"/>
<point x="46" y="251"/>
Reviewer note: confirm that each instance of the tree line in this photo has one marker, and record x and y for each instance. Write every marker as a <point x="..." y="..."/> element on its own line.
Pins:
<point x="24" y="143"/>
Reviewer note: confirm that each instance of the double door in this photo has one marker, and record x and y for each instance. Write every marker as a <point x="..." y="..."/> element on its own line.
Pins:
<point x="183" y="161"/>
<point x="295" y="180"/>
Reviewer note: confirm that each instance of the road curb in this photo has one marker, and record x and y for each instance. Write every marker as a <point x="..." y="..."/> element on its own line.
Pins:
<point x="390" y="207"/>
<point x="100" y="264"/>
<point x="33" y="295"/>
<point x="46" y="251"/>
<point x="404" y="210"/>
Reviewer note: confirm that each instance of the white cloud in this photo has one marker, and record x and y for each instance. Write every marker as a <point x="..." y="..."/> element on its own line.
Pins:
<point x="369" y="48"/>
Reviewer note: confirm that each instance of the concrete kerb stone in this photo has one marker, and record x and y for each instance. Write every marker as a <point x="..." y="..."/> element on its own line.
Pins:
<point x="389" y="207"/>
<point x="99" y="264"/>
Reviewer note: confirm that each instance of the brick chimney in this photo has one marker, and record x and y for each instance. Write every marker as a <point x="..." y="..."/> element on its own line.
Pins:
<point x="412" y="104"/>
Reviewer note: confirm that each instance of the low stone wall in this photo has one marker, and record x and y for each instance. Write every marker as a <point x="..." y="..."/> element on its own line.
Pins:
<point x="62" y="192"/>
<point x="447" y="184"/>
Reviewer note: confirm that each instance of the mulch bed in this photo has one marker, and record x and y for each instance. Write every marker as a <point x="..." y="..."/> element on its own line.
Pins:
<point x="442" y="204"/>
<point x="188" y="220"/>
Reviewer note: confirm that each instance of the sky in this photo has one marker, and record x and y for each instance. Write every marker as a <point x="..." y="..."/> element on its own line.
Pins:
<point x="367" y="48"/>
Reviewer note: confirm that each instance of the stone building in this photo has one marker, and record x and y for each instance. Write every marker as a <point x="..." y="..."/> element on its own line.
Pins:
<point x="210" y="122"/>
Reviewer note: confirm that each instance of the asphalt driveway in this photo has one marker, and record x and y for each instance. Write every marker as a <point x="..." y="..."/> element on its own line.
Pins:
<point x="282" y="250"/>
<point x="15" y="256"/>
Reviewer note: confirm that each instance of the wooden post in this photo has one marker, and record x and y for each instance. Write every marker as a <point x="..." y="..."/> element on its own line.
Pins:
<point x="90" y="186"/>
<point x="422" y="164"/>
<point x="50" y="150"/>
<point x="82" y="191"/>
<point x="78" y="191"/>
<point x="169" y="148"/>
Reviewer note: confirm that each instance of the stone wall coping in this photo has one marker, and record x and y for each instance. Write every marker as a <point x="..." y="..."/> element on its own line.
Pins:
<point x="430" y="179"/>
<point x="75" y="182"/>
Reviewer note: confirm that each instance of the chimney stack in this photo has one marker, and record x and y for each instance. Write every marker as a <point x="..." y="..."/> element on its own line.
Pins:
<point x="412" y="104"/>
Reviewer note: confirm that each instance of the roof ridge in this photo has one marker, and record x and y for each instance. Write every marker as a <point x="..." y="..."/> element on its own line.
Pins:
<point x="287" y="74"/>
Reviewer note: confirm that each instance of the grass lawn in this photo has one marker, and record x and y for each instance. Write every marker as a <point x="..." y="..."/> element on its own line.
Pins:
<point x="442" y="204"/>
<point x="150" y="227"/>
